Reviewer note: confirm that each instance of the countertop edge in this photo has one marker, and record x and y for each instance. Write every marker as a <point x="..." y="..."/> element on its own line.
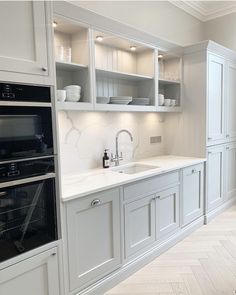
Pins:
<point x="134" y="179"/>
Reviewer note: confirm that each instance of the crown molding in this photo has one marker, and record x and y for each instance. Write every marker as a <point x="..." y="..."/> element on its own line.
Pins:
<point x="201" y="11"/>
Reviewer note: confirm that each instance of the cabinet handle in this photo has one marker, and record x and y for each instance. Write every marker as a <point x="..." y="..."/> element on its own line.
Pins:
<point x="158" y="197"/>
<point x="53" y="254"/>
<point x="44" y="69"/>
<point x="2" y="194"/>
<point x="209" y="138"/>
<point x="95" y="202"/>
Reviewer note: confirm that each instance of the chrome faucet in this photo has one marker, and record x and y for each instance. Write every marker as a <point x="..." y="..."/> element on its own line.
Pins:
<point x="117" y="158"/>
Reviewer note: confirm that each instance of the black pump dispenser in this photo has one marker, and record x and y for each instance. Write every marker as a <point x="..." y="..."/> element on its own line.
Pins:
<point x="105" y="160"/>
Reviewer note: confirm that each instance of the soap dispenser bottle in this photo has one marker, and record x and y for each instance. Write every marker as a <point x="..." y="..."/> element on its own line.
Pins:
<point x="105" y="160"/>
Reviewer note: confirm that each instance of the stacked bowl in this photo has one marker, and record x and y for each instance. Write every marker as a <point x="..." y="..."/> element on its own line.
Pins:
<point x="73" y="93"/>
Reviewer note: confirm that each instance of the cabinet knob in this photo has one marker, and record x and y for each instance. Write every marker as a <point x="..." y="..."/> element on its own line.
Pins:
<point x="227" y="147"/>
<point x="44" y="69"/>
<point x="194" y="171"/>
<point x="227" y="135"/>
<point x="95" y="202"/>
<point x="53" y="254"/>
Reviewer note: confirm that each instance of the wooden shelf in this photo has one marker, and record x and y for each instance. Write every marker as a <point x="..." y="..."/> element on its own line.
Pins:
<point x="122" y="75"/>
<point x="70" y="66"/>
<point x="74" y="106"/>
<point x="168" y="82"/>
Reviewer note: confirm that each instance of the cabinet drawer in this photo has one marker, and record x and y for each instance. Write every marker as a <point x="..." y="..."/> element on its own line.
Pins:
<point x="150" y="185"/>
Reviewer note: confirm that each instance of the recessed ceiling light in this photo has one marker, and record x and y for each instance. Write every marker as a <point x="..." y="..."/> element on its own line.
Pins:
<point x="133" y="48"/>
<point x="160" y="56"/>
<point x="99" y="38"/>
<point x="54" y="24"/>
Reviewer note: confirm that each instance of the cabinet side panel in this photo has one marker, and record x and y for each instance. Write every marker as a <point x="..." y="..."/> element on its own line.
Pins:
<point x="186" y="132"/>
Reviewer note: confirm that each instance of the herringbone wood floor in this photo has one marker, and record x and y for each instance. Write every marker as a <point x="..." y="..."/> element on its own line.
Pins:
<point x="202" y="264"/>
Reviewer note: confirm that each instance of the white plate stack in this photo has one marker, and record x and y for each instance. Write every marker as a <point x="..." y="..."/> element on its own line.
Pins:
<point x="142" y="101"/>
<point x="73" y="93"/>
<point x="120" y="99"/>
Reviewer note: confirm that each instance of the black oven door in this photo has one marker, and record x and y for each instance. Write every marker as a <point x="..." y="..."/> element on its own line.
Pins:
<point x="27" y="217"/>
<point x="26" y="132"/>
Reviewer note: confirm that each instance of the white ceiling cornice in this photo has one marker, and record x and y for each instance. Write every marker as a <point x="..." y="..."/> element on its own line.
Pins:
<point x="206" y="10"/>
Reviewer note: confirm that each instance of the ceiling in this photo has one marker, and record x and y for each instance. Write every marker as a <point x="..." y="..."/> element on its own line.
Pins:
<point x="206" y="10"/>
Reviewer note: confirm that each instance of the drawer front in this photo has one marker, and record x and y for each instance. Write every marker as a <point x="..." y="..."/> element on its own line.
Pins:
<point x="150" y="185"/>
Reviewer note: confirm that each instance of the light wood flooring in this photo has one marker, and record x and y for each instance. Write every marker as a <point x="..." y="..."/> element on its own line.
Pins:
<point x="202" y="264"/>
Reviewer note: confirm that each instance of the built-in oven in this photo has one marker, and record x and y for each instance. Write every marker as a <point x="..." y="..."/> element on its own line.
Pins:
<point x="28" y="207"/>
<point x="27" y="216"/>
<point x="25" y="132"/>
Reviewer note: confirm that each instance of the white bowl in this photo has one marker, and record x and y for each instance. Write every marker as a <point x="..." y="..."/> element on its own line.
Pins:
<point x="103" y="99"/>
<point x="167" y="102"/>
<point x="73" y="88"/>
<point x="173" y="102"/>
<point x="72" y="97"/>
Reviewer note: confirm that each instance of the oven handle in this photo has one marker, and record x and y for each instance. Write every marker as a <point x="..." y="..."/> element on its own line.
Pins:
<point x="27" y="180"/>
<point x="2" y="194"/>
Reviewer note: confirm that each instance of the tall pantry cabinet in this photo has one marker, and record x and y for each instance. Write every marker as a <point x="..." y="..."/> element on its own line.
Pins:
<point x="207" y="127"/>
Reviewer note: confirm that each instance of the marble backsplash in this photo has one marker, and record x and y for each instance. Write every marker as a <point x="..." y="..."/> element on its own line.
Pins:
<point x="83" y="136"/>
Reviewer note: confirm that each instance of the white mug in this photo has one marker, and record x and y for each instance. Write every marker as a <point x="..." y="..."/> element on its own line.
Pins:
<point x="161" y="99"/>
<point x="61" y="95"/>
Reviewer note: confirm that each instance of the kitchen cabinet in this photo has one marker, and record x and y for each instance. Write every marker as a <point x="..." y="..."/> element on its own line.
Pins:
<point x="192" y="193"/>
<point x="216" y="99"/>
<point x="231" y="102"/>
<point x="93" y="233"/>
<point x="215" y="176"/>
<point x="139" y="225"/>
<point x="167" y="212"/>
<point x="24" y="52"/>
<point x="37" y="275"/>
<point x="230" y="171"/>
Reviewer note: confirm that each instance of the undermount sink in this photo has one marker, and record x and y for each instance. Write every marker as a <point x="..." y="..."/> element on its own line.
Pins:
<point x="133" y="168"/>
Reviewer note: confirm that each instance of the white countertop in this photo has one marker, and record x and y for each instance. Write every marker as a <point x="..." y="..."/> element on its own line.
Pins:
<point x="82" y="184"/>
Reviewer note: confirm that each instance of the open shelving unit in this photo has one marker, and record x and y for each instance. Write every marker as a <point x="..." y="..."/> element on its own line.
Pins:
<point x="72" y="61"/>
<point x="113" y="66"/>
<point x="169" y="80"/>
<point x="121" y="71"/>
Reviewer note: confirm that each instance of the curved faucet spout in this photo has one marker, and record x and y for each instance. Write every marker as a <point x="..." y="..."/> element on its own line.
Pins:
<point x="118" y="157"/>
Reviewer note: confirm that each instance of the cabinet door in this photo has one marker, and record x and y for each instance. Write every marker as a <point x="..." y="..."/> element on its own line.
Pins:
<point x="215" y="173"/>
<point x="139" y="225"/>
<point x="193" y="193"/>
<point x="215" y="105"/>
<point x="167" y="212"/>
<point x="37" y="275"/>
<point x="23" y="37"/>
<point x="93" y="228"/>
<point x="231" y="102"/>
<point x="230" y="171"/>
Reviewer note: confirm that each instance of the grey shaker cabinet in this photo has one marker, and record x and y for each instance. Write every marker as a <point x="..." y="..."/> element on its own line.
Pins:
<point x="193" y="193"/>
<point x="93" y="231"/>
<point x="37" y="275"/>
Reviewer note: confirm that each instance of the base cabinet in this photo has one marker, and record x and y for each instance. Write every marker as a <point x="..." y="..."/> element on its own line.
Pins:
<point x="230" y="171"/>
<point x="192" y="193"/>
<point x="215" y="174"/>
<point x="93" y="231"/>
<point x="139" y="225"/>
<point x="167" y="212"/>
<point x="37" y="275"/>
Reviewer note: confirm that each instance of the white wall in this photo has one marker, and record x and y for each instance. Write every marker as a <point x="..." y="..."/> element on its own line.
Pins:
<point x="159" y="18"/>
<point x="83" y="137"/>
<point x="222" y="30"/>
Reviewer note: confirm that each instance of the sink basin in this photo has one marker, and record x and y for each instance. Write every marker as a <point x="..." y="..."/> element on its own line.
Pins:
<point x="133" y="168"/>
